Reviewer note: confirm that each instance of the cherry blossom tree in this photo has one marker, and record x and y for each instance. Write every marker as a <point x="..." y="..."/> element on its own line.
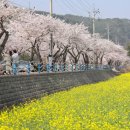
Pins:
<point x="8" y="13"/>
<point x="4" y="16"/>
<point x="30" y="32"/>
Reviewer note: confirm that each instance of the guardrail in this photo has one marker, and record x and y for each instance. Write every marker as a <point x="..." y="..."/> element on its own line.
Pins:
<point x="58" y="68"/>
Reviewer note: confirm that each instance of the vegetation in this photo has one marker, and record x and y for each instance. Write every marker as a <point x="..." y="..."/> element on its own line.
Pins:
<point x="128" y="48"/>
<point x="25" y="56"/>
<point x="72" y="44"/>
<point x="119" y="28"/>
<point x="101" y="106"/>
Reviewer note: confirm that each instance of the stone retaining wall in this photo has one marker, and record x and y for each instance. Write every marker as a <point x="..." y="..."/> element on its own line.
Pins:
<point x="16" y="89"/>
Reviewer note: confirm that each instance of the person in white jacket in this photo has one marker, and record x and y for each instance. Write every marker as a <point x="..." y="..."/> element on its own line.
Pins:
<point x="15" y="57"/>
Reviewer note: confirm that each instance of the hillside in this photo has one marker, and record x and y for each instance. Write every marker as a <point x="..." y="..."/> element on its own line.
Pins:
<point x="119" y="28"/>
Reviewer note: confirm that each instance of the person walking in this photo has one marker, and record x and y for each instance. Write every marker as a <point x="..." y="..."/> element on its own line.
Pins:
<point x="15" y="57"/>
<point x="15" y="61"/>
<point x="7" y="59"/>
<point x="1" y="70"/>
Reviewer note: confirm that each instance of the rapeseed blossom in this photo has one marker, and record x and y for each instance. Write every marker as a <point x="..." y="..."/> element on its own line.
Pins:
<point x="100" y="106"/>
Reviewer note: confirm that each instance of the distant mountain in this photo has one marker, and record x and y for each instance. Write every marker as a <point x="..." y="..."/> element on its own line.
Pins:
<point x="119" y="28"/>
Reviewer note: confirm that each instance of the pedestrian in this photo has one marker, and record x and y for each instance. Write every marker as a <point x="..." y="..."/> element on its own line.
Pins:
<point x="1" y="70"/>
<point x="15" y="57"/>
<point x="8" y="62"/>
<point x="15" y="61"/>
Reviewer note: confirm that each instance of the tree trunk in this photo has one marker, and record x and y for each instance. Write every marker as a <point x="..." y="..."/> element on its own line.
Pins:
<point x="65" y="54"/>
<point x="75" y="60"/>
<point x="38" y="54"/>
<point x="101" y="59"/>
<point x="2" y="46"/>
<point x="32" y="54"/>
<point x="86" y="58"/>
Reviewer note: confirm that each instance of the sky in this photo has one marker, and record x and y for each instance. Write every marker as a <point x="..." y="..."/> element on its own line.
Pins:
<point x="107" y="8"/>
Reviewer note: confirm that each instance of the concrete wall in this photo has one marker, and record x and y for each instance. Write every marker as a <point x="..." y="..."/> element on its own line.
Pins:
<point x="16" y="89"/>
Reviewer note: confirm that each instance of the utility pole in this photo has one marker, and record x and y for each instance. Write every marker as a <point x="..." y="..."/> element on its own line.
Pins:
<point x="108" y="32"/>
<point x="50" y="58"/>
<point x="51" y="35"/>
<point x="116" y="40"/>
<point x="29" y="4"/>
<point x="51" y="8"/>
<point x="93" y="16"/>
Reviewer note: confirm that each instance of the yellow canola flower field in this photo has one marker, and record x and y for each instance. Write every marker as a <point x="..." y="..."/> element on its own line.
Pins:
<point x="100" y="106"/>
